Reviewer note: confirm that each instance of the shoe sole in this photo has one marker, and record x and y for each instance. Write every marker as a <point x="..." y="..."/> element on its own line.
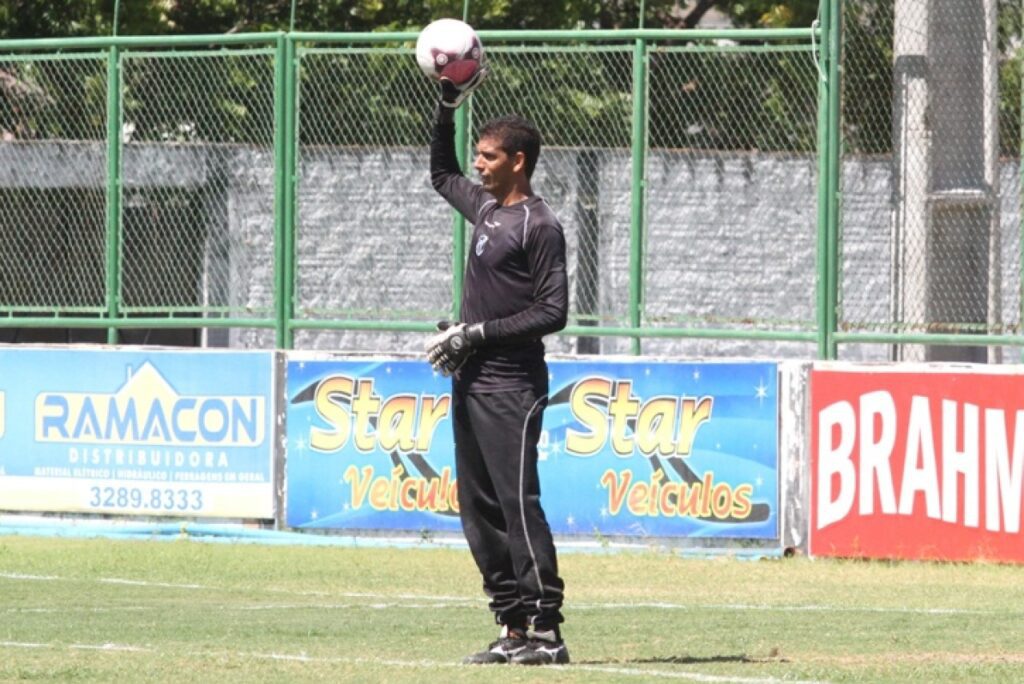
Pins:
<point x="556" y="660"/>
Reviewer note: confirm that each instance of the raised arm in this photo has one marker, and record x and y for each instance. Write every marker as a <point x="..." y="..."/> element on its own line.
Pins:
<point x="445" y="174"/>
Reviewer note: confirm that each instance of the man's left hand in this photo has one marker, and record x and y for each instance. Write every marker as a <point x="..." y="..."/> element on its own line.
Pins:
<point x="454" y="95"/>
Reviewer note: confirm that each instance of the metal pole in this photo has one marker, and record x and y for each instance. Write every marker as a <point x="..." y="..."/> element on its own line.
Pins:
<point x="517" y="35"/>
<point x="458" y="220"/>
<point x="828" y="179"/>
<point x="636" y="232"/>
<point x="1020" y="183"/>
<point x="834" y="161"/>
<point x="113" y="286"/>
<point x="823" y="185"/>
<point x="268" y="38"/>
<point x="462" y="123"/>
<point x="113" y="240"/>
<point x="280" y="191"/>
<point x="289" y="148"/>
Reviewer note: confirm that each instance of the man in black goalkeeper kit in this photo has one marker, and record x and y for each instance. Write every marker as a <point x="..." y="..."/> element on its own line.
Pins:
<point x="516" y="291"/>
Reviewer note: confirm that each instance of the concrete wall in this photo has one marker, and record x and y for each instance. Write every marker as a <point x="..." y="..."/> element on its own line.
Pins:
<point x="731" y="238"/>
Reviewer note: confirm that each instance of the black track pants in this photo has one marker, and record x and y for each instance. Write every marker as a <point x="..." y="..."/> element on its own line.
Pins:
<point x="499" y="503"/>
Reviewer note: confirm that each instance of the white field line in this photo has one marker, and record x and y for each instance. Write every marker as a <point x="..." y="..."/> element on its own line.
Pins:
<point x="435" y="605"/>
<point x="414" y="601"/>
<point x="419" y="664"/>
<point x="79" y="609"/>
<point x="145" y="583"/>
<point x="781" y="608"/>
<point x="38" y="578"/>
<point x="110" y="647"/>
<point x="233" y="606"/>
<point x="336" y="606"/>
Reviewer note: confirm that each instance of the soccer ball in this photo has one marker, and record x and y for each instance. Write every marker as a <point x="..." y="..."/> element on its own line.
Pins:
<point x="449" y="48"/>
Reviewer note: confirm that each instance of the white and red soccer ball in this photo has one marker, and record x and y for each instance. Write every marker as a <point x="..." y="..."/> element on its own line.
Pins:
<point x="449" y="48"/>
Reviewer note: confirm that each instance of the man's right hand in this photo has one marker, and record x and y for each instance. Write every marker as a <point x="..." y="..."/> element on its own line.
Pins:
<point x="452" y="345"/>
<point x="452" y="95"/>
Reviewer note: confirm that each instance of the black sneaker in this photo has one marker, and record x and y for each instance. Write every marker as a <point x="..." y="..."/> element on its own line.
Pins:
<point x="510" y="643"/>
<point x="548" y="649"/>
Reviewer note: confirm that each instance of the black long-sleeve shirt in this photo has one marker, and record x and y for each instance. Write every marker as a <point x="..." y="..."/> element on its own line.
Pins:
<point x="516" y="282"/>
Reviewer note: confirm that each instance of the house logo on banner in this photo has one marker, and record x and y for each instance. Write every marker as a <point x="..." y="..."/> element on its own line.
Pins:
<point x="129" y="432"/>
<point x="672" y="449"/>
<point x="146" y="410"/>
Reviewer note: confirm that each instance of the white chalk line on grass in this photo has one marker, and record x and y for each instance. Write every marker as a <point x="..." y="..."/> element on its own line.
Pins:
<point x="269" y="590"/>
<point x="110" y="647"/>
<point x="253" y="607"/>
<point x="435" y="605"/>
<point x="416" y="664"/>
<point x="146" y="583"/>
<point x="80" y="609"/>
<point x="815" y="608"/>
<point x="427" y="601"/>
<point x="38" y="578"/>
<point x="78" y="647"/>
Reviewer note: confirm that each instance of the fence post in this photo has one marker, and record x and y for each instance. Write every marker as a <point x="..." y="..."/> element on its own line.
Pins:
<point x="1020" y="191"/>
<point x="639" y="148"/>
<point x="835" y="169"/>
<point x="114" y="111"/>
<point x="828" y="179"/>
<point x="283" y="228"/>
<point x="113" y="216"/>
<point x="462" y="153"/>
<point x="458" y="221"/>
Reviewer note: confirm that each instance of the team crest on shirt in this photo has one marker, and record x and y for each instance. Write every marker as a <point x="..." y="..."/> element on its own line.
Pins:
<point x="481" y="241"/>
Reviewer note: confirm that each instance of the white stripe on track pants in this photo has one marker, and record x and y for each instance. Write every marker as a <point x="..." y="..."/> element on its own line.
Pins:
<point x="496" y="438"/>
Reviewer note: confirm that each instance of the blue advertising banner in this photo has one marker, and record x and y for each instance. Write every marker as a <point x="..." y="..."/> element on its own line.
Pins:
<point x="639" y="448"/>
<point x="184" y="433"/>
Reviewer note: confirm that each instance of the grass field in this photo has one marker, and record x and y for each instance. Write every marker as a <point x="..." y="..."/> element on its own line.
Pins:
<point x="104" y="610"/>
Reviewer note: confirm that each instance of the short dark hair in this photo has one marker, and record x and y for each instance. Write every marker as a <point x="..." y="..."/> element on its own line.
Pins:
<point x="515" y="134"/>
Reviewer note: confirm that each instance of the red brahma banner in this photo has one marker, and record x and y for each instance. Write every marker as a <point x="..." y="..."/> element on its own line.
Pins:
<point x="917" y="464"/>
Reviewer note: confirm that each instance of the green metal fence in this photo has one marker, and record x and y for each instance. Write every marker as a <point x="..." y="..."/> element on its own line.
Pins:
<point x="849" y="190"/>
<point x="272" y="189"/>
<point x="931" y="120"/>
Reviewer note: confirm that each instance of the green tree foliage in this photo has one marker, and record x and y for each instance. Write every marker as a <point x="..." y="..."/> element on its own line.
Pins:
<point x="1011" y="70"/>
<point x="771" y="13"/>
<point x="867" y="76"/>
<point x="743" y="100"/>
<point x="219" y="99"/>
<point x="63" y="18"/>
<point x="74" y="18"/>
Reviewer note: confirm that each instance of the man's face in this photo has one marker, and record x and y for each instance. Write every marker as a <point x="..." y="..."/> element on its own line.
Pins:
<point x="496" y="167"/>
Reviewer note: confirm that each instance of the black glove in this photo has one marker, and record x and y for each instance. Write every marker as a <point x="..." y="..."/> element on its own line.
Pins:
<point x="453" y="95"/>
<point x="449" y="348"/>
